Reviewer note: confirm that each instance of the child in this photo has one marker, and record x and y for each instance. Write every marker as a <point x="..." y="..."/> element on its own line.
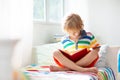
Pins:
<point x="76" y="41"/>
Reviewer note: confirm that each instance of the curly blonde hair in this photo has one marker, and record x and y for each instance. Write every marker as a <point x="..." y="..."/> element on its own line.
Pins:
<point x="73" y="22"/>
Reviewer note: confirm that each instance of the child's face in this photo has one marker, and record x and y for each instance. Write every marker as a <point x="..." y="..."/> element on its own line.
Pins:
<point x="74" y="34"/>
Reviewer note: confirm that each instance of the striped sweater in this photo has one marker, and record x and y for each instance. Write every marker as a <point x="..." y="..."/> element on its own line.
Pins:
<point x="87" y="40"/>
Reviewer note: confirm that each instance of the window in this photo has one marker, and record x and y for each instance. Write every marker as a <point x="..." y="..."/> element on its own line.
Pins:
<point x="48" y="10"/>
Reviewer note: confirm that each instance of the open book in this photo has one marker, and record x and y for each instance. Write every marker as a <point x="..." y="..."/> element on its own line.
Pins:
<point x="77" y="55"/>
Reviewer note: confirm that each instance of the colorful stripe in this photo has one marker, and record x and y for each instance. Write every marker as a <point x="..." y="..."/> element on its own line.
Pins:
<point x="106" y="74"/>
<point x="118" y="61"/>
<point x="85" y="41"/>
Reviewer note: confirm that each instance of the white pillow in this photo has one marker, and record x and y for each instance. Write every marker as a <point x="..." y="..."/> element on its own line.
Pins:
<point x="44" y="53"/>
<point x="102" y="54"/>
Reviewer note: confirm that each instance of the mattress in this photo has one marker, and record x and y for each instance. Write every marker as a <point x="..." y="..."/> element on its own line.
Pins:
<point x="38" y="72"/>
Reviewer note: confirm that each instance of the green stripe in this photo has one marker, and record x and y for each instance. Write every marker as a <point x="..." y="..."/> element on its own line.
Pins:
<point x="83" y="42"/>
<point x="69" y="44"/>
<point x="102" y="73"/>
<point x="93" y="37"/>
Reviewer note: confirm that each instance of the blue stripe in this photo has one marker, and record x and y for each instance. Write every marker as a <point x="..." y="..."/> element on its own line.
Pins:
<point x="112" y="73"/>
<point x="64" y="41"/>
<point x="87" y="37"/>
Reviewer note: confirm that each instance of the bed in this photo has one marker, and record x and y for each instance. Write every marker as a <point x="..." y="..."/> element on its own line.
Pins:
<point x="42" y="58"/>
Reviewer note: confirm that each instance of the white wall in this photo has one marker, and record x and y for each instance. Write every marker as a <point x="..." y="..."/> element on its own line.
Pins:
<point x="16" y="23"/>
<point x="104" y="20"/>
<point x="44" y="33"/>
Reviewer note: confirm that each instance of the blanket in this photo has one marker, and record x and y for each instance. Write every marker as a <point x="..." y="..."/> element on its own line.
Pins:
<point x="36" y="72"/>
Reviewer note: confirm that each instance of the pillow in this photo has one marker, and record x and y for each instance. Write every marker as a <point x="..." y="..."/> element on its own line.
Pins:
<point x="102" y="56"/>
<point x="43" y="54"/>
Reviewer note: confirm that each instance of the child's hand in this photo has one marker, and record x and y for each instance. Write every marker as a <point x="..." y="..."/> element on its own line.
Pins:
<point x="96" y="46"/>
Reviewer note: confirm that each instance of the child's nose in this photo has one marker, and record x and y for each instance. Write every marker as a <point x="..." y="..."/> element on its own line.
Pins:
<point x="75" y="34"/>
